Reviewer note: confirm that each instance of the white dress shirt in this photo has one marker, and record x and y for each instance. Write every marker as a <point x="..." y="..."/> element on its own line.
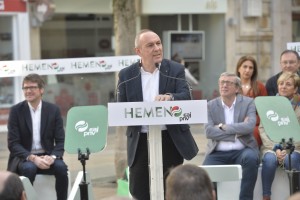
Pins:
<point x="229" y="119"/>
<point x="36" y="128"/>
<point x="150" y="87"/>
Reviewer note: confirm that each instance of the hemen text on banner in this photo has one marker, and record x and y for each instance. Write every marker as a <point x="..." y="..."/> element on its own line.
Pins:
<point x="66" y="66"/>
<point x="158" y="112"/>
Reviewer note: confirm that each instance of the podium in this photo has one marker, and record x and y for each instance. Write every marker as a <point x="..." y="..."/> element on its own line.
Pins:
<point x="86" y="132"/>
<point x="156" y="114"/>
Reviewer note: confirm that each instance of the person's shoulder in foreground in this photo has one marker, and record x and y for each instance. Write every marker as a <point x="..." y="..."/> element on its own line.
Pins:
<point x="11" y="186"/>
<point x="189" y="182"/>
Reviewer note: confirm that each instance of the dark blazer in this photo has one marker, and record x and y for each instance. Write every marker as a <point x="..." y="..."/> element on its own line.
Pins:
<point x="131" y="91"/>
<point x="20" y="131"/>
<point x="244" y="107"/>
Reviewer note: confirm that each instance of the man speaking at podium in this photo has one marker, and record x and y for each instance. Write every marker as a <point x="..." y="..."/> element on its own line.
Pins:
<point x="36" y="137"/>
<point x="154" y="79"/>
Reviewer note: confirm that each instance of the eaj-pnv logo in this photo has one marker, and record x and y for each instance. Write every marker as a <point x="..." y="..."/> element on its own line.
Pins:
<point x="83" y="127"/>
<point x="274" y="117"/>
<point x="157" y="112"/>
<point x="176" y="111"/>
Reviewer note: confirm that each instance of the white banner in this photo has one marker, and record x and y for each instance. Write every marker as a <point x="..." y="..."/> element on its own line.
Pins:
<point x="294" y="46"/>
<point x="156" y="113"/>
<point x="66" y="66"/>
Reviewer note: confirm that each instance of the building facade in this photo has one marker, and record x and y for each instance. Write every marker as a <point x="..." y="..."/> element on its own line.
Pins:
<point x="46" y="29"/>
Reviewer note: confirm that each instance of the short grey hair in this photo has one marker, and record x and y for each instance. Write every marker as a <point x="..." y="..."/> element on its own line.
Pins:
<point x="237" y="79"/>
<point x="138" y="35"/>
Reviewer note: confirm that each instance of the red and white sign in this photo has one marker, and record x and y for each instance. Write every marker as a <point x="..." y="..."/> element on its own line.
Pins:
<point x="66" y="65"/>
<point x="12" y="6"/>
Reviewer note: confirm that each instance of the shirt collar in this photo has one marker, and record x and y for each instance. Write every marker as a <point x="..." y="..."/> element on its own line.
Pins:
<point x="38" y="107"/>
<point x="225" y="106"/>
<point x="144" y="72"/>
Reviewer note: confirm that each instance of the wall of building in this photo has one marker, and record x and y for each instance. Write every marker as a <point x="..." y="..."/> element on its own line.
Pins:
<point x="231" y="31"/>
<point x="243" y="29"/>
<point x="263" y="37"/>
<point x="215" y="51"/>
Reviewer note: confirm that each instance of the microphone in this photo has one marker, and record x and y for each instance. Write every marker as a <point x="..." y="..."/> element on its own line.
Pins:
<point x="180" y="79"/>
<point x="123" y="82"/>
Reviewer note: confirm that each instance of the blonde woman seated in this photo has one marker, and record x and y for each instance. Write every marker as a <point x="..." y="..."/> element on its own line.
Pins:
<point x="273" y="154"/>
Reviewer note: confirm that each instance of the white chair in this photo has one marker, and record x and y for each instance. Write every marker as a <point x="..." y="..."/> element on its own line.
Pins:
<point x="29" y="190"/>
<point x="227" y="177"/>
<point x="44" y="186"/>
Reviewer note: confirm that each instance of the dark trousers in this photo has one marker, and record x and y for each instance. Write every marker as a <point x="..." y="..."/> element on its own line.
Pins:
<point x="59" y="169"/>
<point x="139" y="171"/>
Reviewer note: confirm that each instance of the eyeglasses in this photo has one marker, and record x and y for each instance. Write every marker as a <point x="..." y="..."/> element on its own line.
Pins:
<point x="31" y="88"/>
<point x="229" y="83"/>
<point x="291" y="62"/>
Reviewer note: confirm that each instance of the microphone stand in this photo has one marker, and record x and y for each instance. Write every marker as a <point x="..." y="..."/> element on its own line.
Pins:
<point x="292" y="173"/>
<point x="117" y="93"/>
<point x="84" y="195"/>
<point x="190" y="90"/>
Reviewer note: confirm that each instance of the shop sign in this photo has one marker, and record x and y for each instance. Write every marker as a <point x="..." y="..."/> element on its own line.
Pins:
<point x="12" y="6"/>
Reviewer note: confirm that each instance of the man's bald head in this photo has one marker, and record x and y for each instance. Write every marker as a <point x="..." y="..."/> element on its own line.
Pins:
<point x="11" y="187"/>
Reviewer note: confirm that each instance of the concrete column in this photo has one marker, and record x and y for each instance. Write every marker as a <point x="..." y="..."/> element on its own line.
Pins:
<point x="281" y="12"/>
<point x="35" y="41"/>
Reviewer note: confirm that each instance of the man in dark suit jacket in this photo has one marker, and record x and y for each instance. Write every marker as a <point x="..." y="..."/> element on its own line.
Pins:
<point x="151" y="80"/>
<point x="231" y="120"/>
<point x="36" y="137"/>
<point x="289" y="62"/>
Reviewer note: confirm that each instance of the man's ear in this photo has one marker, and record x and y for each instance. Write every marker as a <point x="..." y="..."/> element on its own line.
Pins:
<point x="23" y="197"/>
<point x="137" y="51"/>
<point x="42" y="91"/>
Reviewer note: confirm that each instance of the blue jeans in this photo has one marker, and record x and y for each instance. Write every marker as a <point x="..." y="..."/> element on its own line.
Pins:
<point x="269" y="166"/>
<point x="249" y="160"/>
<point x="59" y="169"/>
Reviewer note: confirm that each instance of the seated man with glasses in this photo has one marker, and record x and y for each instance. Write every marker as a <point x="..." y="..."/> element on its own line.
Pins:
<point x="36" y="137"/>
<point x="289" y="62"/>
<point x="229" y="130"/>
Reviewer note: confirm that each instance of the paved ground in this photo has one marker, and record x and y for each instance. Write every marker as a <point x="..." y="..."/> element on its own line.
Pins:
<point x="101" y="165"/>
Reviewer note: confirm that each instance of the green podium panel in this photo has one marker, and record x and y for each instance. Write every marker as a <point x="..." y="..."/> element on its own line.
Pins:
<point x="278" y="118"/>
<point x="86" y="128"/>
